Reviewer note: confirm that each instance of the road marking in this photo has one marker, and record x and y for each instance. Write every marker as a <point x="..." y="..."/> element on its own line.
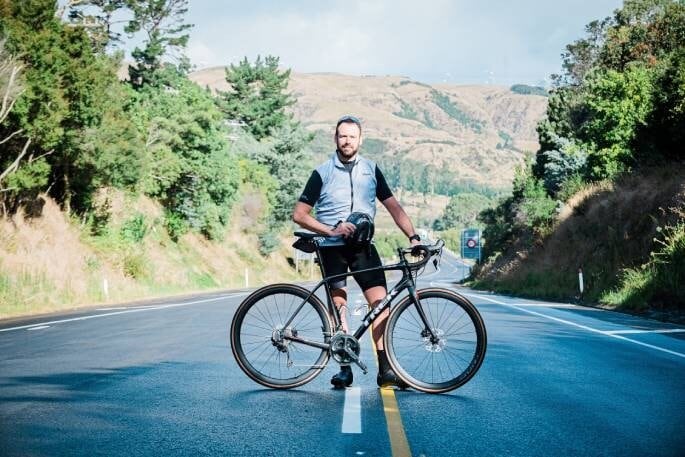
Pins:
<point x="398" y="439"/>
<point x="38" y="328"/>
<point x="399" y="445"/>
<point x="135" y="310"/>
<point x="635" y="331"/>
<point x="352" y="411"/>
<point x="574" y="324"/>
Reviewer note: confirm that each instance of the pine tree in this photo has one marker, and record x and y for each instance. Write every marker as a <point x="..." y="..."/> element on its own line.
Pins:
<point x="162" y="22"/>
<point x="257" y="97"/>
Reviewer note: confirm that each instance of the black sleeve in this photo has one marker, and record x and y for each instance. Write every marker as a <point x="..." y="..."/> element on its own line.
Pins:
<point x="383" y="191"/>
<point x="312" y="190"/>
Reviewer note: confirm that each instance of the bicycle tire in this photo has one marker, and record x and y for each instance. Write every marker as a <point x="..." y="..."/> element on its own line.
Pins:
<point x="447" y="364"/>
<point x="256" y="320"/>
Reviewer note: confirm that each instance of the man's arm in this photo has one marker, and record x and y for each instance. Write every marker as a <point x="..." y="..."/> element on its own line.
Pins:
<point x="302" y="217"/>
<point x="400" y="217"/>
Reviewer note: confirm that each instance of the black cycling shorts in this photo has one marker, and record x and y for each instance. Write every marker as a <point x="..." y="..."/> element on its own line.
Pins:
<point x="341" y="259"/>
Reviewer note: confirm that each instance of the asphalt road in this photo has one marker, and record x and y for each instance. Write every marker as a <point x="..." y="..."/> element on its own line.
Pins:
<point x="159" y="379"/>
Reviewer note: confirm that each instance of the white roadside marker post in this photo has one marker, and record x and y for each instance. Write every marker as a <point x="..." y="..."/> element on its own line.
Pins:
<point x="580" y="283"/>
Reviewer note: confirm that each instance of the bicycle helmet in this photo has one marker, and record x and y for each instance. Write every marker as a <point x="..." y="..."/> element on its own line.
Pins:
<point x="363" y="232"/>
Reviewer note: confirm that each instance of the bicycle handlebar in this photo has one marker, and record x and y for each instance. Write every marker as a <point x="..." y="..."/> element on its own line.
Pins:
<point x="424" y="251"/>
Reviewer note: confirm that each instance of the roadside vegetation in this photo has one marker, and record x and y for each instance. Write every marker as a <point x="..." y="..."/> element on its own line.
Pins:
<point x="605" y="192"/>
<point x="200" y="175"/>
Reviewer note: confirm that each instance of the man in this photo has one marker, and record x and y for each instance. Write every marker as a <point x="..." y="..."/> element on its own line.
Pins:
<point x="344" y="184"/>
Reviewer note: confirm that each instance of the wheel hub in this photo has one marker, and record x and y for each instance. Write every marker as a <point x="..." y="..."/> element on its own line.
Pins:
<point x="279" y="335"/>
<point x="436" y="344"/>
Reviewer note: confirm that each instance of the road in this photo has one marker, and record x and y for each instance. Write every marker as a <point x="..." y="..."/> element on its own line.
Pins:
<point x="159" y="379"/>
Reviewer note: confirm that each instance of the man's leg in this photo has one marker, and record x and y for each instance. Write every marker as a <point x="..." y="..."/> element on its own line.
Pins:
<point x="340" y="301"/>
<point x="373" y="296"/>
<point x="344" y="377"/>
<point x="386" y="377"/>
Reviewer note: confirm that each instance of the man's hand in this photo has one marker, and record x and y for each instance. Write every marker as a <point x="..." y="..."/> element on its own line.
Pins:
<point x="344" y="228"/>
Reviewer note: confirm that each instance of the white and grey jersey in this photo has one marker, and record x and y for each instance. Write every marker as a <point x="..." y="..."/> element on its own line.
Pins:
<point x="337" y="189"/>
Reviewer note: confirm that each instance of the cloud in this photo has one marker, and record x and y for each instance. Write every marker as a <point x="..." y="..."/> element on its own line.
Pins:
<point x="504" y="41"/>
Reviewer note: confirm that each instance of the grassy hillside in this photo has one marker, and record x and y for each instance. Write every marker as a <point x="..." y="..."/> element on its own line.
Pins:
<point x="617" y="233"/>
<point x="478" y="133"/>
<point x="50" y="262"/>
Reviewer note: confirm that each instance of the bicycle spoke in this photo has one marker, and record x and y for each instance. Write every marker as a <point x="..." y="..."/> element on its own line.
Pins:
<point x="260" y="339"/>
<point x="449" y="355"/>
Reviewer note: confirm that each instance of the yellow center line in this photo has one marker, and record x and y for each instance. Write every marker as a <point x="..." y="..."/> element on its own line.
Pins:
<point x="399" y="445"/>
<point x="398" y="439"/>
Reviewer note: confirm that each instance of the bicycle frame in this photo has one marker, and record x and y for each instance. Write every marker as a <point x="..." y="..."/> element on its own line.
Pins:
<point x="406" y="282"/>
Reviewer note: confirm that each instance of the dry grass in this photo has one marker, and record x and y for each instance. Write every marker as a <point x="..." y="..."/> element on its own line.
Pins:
<point x="323" y="97"/>
<point x="52" y="263"/>
<point x="604" y="229"/>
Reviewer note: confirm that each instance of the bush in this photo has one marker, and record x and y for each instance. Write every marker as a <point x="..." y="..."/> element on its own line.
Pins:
<point x="388" y="243"/>
<point x="134" y="229"/>
<point x="176" y="225"/>
<point x="524" y="89"/>
<point x="657" y="282"/>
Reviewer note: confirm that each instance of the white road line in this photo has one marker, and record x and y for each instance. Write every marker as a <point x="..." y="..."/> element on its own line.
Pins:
<point x="636" y="331"/>
<point x="38" y="328"/>
<point x="127" y="311"/>
<point x="352" y="411"/>
<point x="584" y="327"/>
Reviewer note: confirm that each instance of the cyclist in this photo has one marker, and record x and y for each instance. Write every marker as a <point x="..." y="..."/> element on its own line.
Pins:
<point x="344" y="184"/>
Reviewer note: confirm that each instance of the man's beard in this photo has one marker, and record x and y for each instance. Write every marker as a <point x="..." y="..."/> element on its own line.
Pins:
<point x="348" y="154"/>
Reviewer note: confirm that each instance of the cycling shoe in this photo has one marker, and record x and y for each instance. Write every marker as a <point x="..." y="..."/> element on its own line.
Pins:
<point x="389" y="378"/>
<point x="343" y="378"/>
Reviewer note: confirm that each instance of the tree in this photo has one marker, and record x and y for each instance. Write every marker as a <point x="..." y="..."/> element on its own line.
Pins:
<point x="186" y="161"/>
<point x="257" y="97"/>
<point x="97" y="17"/>
<point x="165" y="33"/>
<point x="462" y="211"/>
<point x="11" y="176"/>
<point x="71" y="92"/>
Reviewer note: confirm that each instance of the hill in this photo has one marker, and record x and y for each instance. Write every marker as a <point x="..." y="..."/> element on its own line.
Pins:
<point x="53" y="262"/>
<point x="478" y="133"/>
<point x="616" y="232"/>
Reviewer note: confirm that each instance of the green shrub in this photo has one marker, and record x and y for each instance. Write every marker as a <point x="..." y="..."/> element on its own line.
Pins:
<point x="268" y="241"/>
<point x="135" y="265"/>
<point x="388" y="243"/>
<point x="406" y="111"/>
<point x="657" y="282"/>
<point x="453" y="111"/>
<point x="134" y="229"/>
<point x="525" y="89"/>
<point x="176" y="225"/>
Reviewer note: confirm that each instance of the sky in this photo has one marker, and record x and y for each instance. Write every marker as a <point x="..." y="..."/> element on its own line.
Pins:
<point x="458" y="41"/>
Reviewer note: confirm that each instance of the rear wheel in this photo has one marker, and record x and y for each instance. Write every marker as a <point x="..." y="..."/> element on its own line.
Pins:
<point x="446" y="361"/>
<point x="260" y="338"/>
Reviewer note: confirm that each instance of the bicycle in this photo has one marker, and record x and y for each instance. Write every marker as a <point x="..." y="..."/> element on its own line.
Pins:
<point x="282" y="335"/>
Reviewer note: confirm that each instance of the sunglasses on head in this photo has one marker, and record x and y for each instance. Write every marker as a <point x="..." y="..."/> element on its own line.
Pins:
<point x="348" y="118"/>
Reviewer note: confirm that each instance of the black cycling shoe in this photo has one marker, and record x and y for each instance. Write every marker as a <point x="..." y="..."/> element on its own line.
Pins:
<point x="389" y="378"/>
<point x="343" y="378"/>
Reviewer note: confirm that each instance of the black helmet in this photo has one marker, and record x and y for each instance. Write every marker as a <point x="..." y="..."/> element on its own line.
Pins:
<point x="363" y="232"/>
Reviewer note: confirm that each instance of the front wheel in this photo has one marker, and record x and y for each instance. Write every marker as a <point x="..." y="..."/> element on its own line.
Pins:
<point x="450" y="357"/>
<point x="278" y="336"/>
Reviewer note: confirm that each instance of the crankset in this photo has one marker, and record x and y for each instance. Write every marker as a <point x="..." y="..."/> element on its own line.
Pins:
<point x="345" y="350"/>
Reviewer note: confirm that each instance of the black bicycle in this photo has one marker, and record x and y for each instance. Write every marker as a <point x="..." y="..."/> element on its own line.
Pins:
<point x="282" y="335"/>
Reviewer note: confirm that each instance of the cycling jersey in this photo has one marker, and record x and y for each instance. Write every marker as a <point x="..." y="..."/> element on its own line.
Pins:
<point x="337" y="189"/>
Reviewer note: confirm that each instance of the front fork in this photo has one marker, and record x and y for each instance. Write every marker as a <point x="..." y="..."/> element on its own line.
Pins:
<point x="427" y="330"/>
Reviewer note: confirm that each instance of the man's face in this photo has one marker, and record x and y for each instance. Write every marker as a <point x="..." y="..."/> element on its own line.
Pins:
<point x="348" y="139"/>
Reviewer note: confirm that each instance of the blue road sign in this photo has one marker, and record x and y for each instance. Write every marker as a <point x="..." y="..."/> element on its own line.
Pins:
<point x="470" y="244"/>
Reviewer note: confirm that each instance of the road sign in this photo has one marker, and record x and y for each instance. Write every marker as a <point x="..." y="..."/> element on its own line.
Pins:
<point x="470" y="244"/>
